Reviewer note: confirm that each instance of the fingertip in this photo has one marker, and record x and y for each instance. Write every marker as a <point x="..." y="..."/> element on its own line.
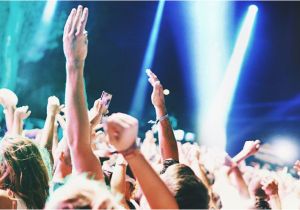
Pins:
<point x="148" y="71"/>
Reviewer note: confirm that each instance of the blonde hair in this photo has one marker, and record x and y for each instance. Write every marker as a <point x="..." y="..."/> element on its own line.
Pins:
<point x="81" y="192"/>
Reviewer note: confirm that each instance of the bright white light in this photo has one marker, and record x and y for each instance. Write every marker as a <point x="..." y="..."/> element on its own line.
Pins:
<point x="138" y="101"/>
<point x="253" y="8"/>
<point x="285" y="148"/>
<point x="190" y="136"/>
<point x="207" y="26"/>
<point x="49" y="10"/>
<point x="166" y="92"/>
<point x="214" y="126"/>
<point x="179" y="135"/>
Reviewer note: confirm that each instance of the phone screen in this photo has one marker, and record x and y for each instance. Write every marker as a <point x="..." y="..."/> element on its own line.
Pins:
<point x="106" y="98"/>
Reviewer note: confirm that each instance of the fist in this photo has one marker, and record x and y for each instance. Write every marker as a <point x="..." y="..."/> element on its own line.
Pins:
<point x="270" y="186"/>
<point x="122" y="131"/>
<point x="251" y="147"/>
<point x="297" y="167"/>
<point x="8" y="98"/>
<point x="22" y="112"/>
<point x="53" y="105"/>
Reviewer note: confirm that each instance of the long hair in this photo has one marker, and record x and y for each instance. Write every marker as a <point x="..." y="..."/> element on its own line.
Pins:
<point x="23" y="171"/>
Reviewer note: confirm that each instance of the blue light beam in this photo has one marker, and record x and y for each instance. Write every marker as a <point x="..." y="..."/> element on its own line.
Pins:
<point x="138" y="101"/>
<point x="214" y="127"/>
<point x="49" y="11"/>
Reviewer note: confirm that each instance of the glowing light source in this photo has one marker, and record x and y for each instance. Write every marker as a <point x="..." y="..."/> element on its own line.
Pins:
<point x="190" y="136"/>
<point x="179" y="134"/>
<point x="166" y="92"/>
<point x="141" y="87"/>
<point x="49" y="10"/>
<point x="285" y="148"/>
<point x="213" y="128"/>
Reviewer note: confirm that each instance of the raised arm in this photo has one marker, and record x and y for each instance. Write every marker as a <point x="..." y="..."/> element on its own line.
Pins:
<point x="77" y="122"/>
<point x="249" y="149"/>
<point x="46" y="140"/>
<point x="270" y="186"/>
<point x="122" y="130"/>
<point x="237" y="177"/>
<point x="8" y="100"/>
<point x="20" y="114"/>
<point x="167" y="141"/>
<point x="118" y="179"/>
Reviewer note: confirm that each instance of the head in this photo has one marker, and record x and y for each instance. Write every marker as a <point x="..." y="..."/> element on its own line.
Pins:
<point x="23" y="171"/>
<point x="189" y="191"/>
<point x="79" y="192"/>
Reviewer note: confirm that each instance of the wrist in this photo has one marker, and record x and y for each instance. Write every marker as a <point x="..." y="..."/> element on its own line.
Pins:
<point x="160" y="111"/>
<point x="132" y="154"/>
<point x="74" y="65"/>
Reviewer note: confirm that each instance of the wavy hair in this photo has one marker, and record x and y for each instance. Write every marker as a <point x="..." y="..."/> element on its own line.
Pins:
<point x="23" y="171"/>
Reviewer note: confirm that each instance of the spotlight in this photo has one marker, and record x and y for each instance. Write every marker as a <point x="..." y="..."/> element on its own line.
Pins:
<point x="166" y="92"/>
<point x="285" y="148"/>
<point x="179" y="134"/>
<point x="215" y="124"/>
<point x="49" y="10"/>
<point x="138" y="101"/>
<point x="190" y="136"/>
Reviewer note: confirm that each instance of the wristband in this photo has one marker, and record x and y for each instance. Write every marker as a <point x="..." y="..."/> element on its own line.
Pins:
<point x="159" y="119"/>
<point x="129" y="151"/>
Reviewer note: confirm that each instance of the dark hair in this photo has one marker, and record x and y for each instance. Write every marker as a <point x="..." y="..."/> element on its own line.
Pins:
<point x="261" y="203"/>
<point x="187" y="188"/>
<point x="23" y="171"/>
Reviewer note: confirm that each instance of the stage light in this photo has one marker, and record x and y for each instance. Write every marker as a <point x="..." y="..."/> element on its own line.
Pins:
<point x="138" y="101"/>
<point x="206" y="26"/>
<point x="285" y="148"/>
<point x="179" y="134"/>
<point x="49" y="11"/>
<point x="166" y="92"/>
<point x="213" y="128"/>
<point x="190" y="136"/>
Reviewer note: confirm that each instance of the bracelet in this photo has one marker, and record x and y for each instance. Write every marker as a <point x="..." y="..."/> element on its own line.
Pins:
<point x="129" y="150"/>
<point x="159" y="119"/>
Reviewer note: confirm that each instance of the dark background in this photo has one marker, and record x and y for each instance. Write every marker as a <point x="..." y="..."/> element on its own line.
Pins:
<point x="267" y="99"/>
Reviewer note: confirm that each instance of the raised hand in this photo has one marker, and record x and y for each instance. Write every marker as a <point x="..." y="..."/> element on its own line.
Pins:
<point x="297" y="167"/>
<point x="8" y="98"/>
<point x="53" y="106"/>
<point x="75" y="40"/>
<point x="270" y="186"/>
<point x="22" y="112"/>
<point x="251" y="147"/>
<point x="157" y="96"/>
<point x="122" y="131"/>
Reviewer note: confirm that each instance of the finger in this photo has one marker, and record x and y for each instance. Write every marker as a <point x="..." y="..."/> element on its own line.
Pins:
<point x="150" y="74"/>
<point x="24" y="108"/>
<point x="157" y="88"/>
<point x="76" y="20"/>
<point x="98" y="126"/>
<point x="61" y="107"/>
<point x="121" y="122"/>
<point x="129" y="119"/>
<point x="82" y="22"/>
<point x="68" y="24"/>
<point x="28" y="113"/>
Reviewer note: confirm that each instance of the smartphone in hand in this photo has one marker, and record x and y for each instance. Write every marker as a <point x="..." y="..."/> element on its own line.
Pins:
<point x="106" y="99"/>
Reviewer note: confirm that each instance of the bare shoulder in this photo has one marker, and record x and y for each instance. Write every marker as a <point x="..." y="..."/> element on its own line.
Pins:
<point x="5" y="201"/>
